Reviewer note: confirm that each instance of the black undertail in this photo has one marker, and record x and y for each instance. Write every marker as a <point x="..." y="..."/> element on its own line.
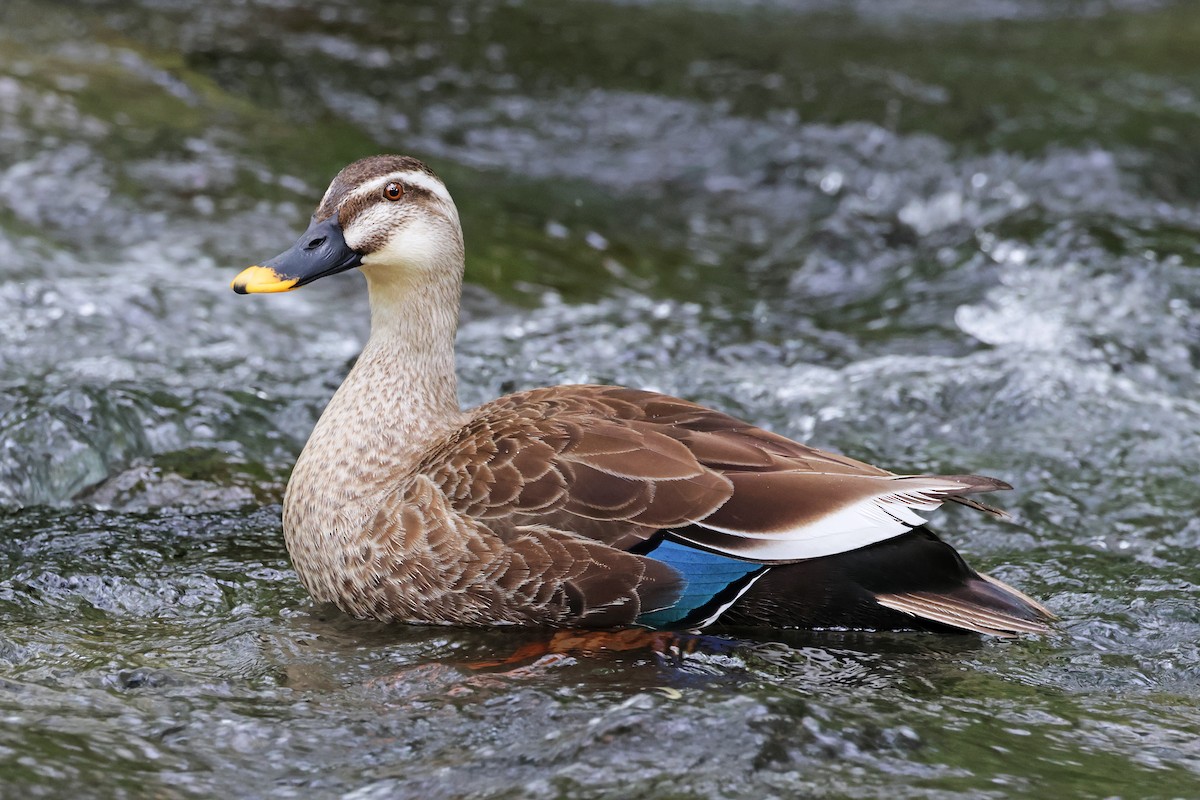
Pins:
<point x="840" y="591"/>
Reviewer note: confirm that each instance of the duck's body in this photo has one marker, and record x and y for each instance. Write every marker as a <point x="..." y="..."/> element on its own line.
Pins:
<point x="580" y="505"/>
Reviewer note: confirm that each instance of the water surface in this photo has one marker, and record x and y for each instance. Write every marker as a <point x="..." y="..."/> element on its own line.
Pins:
<point x="937" y="238"/>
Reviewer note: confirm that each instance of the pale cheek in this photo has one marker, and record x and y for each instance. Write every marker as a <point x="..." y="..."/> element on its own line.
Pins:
<point x="416" y="245"/>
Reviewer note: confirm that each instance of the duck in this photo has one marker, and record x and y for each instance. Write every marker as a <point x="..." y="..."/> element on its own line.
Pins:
<point x="582" y="506"/>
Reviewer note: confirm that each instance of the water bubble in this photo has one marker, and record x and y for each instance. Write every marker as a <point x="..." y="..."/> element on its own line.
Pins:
<point x="831" y="183"/>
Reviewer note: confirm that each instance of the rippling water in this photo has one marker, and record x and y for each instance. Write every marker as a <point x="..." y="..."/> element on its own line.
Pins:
<point x="941" y="238"/>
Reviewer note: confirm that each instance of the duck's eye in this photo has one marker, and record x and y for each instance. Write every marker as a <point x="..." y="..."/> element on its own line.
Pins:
<point x="393" y="191"/>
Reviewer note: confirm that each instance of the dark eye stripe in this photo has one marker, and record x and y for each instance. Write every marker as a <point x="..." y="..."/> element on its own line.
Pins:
<point x="357" y="204"/>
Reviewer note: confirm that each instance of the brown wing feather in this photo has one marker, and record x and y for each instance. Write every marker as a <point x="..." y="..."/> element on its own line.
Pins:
<point x="582" y="473"/>
<point x="643" y="461"/>
<point x="585" y="451"/>
<point x="690" y="421"/>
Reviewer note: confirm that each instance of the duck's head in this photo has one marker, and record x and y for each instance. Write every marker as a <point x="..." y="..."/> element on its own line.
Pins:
<point x="388" y="215"/>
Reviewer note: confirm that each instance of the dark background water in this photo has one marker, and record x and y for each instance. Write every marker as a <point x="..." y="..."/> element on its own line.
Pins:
<point x="938" y="236"/>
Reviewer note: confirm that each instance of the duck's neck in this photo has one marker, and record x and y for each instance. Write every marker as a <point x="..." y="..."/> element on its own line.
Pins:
<point x="401" y="394"/>
<point x="411" y="348"/>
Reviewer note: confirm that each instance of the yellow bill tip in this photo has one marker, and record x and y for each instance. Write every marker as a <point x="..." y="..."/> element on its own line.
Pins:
<point x="261" y="280"/>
